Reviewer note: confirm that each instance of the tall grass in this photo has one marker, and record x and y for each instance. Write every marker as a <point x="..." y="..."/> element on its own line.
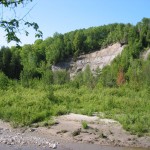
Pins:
<point x="129" y="107"/>
<point x="24" y="106"/>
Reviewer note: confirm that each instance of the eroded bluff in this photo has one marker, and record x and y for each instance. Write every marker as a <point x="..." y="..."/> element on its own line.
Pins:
<point x="97" y="59"/>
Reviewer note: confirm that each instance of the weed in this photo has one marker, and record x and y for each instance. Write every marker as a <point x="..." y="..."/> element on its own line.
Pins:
<point x="85" y="125"/>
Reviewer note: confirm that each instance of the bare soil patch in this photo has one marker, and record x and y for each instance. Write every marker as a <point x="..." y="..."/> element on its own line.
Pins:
<point x="69" y="129"/>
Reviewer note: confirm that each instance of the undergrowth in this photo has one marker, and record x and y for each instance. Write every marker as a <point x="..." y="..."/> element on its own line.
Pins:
<point x="25" y="106"/>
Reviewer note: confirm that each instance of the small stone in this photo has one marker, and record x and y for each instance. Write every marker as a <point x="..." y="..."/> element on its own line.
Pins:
<point x="6" y="129"/>
<point x="54" y="146"/>
<point x="8" y="143"/>
<point x="32" y="130"/>
<point x="50" y="145"/>
<point x="76" y="132"/>
<point x="46" y="142"/>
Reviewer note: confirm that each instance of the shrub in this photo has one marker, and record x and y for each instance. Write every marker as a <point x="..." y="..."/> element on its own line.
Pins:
<point x="61" y="77"/>
<point x="60" y="110"/>
<point x="4" y="81"/>
<point x="84" y="125"/>
<point x="120" y="78"/>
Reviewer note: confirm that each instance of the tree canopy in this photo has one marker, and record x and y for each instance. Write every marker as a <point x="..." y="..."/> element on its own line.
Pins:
<point x="34" y="61"/>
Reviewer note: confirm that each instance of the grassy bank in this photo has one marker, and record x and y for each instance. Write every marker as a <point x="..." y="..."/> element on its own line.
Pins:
<point x="24" y="106"/>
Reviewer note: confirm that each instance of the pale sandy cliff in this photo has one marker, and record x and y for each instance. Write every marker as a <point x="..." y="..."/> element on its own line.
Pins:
<point x="97" y="59"/>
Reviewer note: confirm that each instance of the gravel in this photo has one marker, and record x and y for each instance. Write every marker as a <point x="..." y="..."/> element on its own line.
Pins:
<point x="9" y="137"/>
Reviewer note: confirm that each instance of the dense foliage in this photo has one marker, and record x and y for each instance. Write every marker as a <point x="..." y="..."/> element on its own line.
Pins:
<point x="31" y="92"/>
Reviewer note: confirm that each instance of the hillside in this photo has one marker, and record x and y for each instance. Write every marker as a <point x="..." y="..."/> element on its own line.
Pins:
<point x="97" y="59"/>
<point x="31" y="61"/>
<point x="31" y="92"/>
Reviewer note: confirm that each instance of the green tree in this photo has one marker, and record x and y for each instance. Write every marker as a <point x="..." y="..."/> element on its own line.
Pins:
<point x="29" y="63"/>
<point x="47" y="74"/>
<point x="5" y="55"/>
<point x="108" y="77"/>
<point x="55" y="51"/>
<point x="4" y="81"/>
<point x="15" y="63"/>
<point x="133" y="74"/>
<point x="12" y="25"/>
<point x="144" y="74"/>
<point x="88" y="78"/>
<point x="78" y="42"/>
<point x="61" y="77"/>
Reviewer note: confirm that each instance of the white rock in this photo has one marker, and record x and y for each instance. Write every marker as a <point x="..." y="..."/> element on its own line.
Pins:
<point x="50" y="145"/>
<point x="54" y="146"/>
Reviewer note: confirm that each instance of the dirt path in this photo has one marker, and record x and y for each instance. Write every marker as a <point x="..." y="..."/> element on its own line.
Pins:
<point x="69" y="130"/>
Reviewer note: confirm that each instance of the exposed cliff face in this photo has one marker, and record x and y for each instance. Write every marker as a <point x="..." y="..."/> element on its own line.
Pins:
<point x="97" y="59"/>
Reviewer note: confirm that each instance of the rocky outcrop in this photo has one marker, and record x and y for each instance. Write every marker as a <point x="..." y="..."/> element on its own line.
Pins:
<point x="146" y="54"/>
<point x="97" y="59"/>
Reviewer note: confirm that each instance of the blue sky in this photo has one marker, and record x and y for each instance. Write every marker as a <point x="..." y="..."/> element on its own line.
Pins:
<point x="66" y="15"/>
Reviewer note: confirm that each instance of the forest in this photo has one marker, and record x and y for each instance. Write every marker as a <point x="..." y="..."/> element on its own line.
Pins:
<point x="32" y="93"/>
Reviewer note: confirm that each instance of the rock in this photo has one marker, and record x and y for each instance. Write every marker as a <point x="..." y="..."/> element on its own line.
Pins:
<point x="76" y="132"/>
<point x="97" y="59"/>
<point x="46" y="142"/>
<point x="32" y="130"/>
<point x="102" y="135"/>
<point x="96" y="130"/>
<point x="50" y="145"/>
<point x="12" y="143"/>
<point x="145" y="54"/>
<point x="62" y="131"/>
<point x="6" y="129"/>
<point x="54" y="146"/>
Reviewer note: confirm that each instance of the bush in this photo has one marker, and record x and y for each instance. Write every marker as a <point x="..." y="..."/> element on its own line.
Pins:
<point x="60" y="110"/>
<point x="84" y="125"/>
<point x="4" y="81"/>
<point x="61" y="77"/>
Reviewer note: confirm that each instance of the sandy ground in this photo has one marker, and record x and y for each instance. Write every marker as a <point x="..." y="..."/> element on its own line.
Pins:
<point x="68" y="133"/>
